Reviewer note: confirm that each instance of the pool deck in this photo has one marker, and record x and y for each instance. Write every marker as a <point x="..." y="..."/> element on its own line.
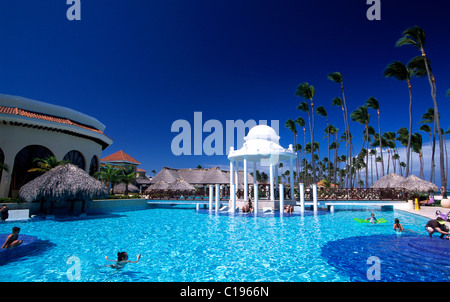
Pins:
<point x="426" y="211"/>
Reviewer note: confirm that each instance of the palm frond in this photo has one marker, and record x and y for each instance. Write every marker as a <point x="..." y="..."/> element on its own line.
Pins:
<point x="397" y="70"/>
<point x="335" y="77"/>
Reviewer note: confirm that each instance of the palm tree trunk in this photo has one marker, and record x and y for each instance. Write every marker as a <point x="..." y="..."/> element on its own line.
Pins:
<point x="408" y="148"/>
<point x="381" y="142"/>
<point x="438" y="125"/>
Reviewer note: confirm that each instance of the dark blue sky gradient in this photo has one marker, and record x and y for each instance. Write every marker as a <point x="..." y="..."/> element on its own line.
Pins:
<point x="137" y="66"/>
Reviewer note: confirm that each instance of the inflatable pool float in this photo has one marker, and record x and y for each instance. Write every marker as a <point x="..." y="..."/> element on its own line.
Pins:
<point x="379" y="220"/>
<point x="28" y="246"/>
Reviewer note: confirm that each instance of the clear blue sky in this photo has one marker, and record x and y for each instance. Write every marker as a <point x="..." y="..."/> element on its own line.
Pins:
<point x="138" y="66"/>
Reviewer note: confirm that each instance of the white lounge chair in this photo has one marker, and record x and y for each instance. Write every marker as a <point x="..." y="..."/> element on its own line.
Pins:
<point x="267" y="210"/>
<point x="224" y="208"/>
<point x="18" y="215"/>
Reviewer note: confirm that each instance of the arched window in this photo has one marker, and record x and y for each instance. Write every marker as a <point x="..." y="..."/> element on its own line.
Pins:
<point x="93" y="167"/>
<point x="24" y="162"/>
<point x="76" y="158"/>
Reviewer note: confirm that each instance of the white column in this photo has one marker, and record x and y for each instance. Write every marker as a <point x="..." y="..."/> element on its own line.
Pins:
<point x="301" y="188"/>
<point x="233" y="200"/>
<point x="271" y="182"/>
<point x="281" y="187"/>
<point x="217" y="196"/>
<point x="255" y="189"/>
<point x="236" y="170"/>
<point x="254" y="173"/>
<point x="245" y="179"/>
<point x="291" y="177"/>
<point x="232" y="192"/>
<point x="315" y="197"/>
<point x="211" y="192"/>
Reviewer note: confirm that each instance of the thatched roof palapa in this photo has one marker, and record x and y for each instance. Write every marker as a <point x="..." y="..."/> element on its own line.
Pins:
<point x="390" y="181"/>
<point x="415" y="184"/>
<point x="181" y="185"/>
<point x="65" y="182"/>
<point x="198" y="176"/>
<point x="159" y="185"/>
<point x="120" y="188"/>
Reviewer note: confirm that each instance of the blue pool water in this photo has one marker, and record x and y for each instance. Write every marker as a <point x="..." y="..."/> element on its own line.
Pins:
<point x="182" y="244"/>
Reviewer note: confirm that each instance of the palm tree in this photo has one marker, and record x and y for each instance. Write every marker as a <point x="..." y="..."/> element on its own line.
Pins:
<point x="323" y="112"/>
<point x="428" y="117"/>
<point x="399" y="71"/>
<point x="127" y="177"/>
<point x="338" y="102"/>
<point x="108" y="174"/>
<point x="307" y="92"/>
<point x="417" y="148"/>
<point x="46" y="164"/>
<point x="301" y="122"/>
<point x="338" y="78"/>
<point x="373" y="104"/>
<point x="362" y="116"/>
<point x="415" y="36"/>
<point x="290" y="124"/>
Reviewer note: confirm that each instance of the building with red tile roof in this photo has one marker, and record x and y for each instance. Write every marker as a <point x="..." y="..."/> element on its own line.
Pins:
<point x="32" y="129"/>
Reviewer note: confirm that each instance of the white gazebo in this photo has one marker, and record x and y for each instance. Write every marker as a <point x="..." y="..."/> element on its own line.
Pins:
<point x="261" y="145"/>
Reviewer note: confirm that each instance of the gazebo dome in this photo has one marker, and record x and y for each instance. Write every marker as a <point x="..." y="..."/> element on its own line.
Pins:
<point x="263" y="132"/>
<point x="262" y="142"/>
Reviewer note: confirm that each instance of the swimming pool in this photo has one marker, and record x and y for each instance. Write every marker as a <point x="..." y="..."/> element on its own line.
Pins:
<point x="182" y="244"/>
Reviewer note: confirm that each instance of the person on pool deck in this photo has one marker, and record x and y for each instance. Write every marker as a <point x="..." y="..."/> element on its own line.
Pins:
<point x="372" y="218"/>
<point x="437" y="225"/>
<point x="397" y="226"/>
<point x="4" y="212"/>
<point x="12" y="240"/>
<point x="122" y="260"/>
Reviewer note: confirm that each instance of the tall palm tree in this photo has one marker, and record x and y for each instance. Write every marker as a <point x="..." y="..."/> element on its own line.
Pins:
<point x="323" y="112"/>
<point x="428" y="117"/>
<point x="339" y="102"/>
<point x="362" y="116"/>
<point x="307" y="92"/>
<point x="373" y="104"/>
<point x="399" y="71"/>
<point x="290" y="124"/>
<point x="415" y="36"/>
<point x="339" y="79"/>
<point x="417" y="148"/>
<point x="301" y="122"/>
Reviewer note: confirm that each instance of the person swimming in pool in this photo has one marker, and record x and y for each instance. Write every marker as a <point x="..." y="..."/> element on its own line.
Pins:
<point x="372" y="218"/>
<point x="122" y="260"/>
<point x="12" y="240"/>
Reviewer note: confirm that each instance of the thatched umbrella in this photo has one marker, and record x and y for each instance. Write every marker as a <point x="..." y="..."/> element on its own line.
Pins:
<point x="181" y="185"/>
<point x="417" y="185"/>
<point x="390" y="181"/>
<point x="120" y="188"/>
<point x="65" y="182"/>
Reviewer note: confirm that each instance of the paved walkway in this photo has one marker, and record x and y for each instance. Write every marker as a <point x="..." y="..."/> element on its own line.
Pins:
<point x="426" y="211"/>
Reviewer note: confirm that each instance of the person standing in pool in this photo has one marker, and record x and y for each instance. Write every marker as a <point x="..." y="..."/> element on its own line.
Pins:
<point x="122" y="260"/>
<point x="398" y="226"/>
<point x="12" y="240"/>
